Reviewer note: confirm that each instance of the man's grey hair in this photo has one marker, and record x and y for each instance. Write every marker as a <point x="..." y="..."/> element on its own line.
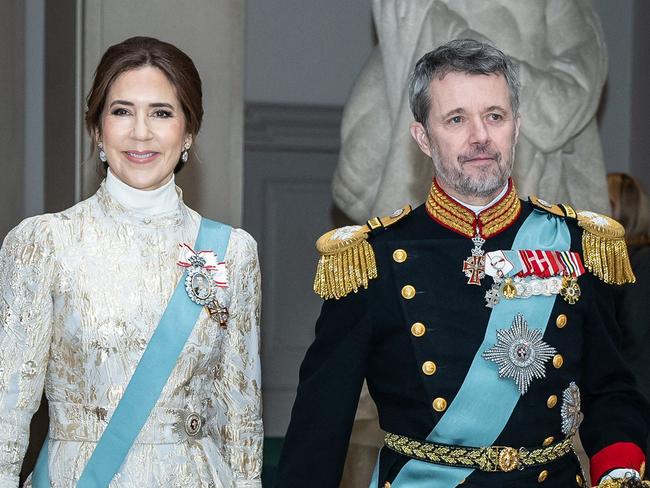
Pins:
<point x="463" y="56"/>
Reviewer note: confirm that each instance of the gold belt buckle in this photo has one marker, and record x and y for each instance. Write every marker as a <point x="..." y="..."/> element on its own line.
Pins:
<point x="499" y="458"/>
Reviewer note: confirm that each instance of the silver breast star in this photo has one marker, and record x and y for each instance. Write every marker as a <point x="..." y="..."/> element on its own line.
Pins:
<point x="520" y="353"/>
<point x="570" y="411"/>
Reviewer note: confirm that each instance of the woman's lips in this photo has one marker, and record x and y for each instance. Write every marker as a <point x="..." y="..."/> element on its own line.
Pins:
<point x="141" y="157"/>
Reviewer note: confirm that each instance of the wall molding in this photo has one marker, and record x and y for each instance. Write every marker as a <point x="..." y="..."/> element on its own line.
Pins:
<point x="280" y="127"/>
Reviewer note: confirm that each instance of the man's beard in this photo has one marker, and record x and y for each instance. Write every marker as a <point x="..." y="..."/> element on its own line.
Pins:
<point x="487" y="182"/>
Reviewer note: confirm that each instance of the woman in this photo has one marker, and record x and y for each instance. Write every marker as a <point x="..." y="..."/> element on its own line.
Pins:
<point x="87" y="291"/>
<point x="631" y="208"/>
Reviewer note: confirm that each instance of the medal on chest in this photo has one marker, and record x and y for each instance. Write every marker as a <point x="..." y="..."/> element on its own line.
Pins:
<point x="528" y="273"/>
<point x="474" y="265"/>
<point x="205" y="274"/>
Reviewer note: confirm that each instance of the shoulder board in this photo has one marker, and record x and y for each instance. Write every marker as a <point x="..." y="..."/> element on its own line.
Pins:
<point x="347" y="261"/>
<point x="604" y="249"/>
<point x="560" y="209"/>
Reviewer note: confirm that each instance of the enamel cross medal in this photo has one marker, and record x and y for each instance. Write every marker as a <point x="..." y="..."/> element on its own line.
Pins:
<point x="474" y="265"/>
<point x="204" y="276"/>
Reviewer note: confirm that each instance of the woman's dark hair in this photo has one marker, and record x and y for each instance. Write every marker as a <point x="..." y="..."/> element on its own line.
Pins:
<point x="630" y="207"/>
<point x="137" y="52"/>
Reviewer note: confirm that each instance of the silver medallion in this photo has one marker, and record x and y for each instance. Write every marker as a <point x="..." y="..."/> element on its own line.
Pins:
<point x="199" y="284"/>
<point x="189" y="425"/>
<point x="570" y="411"/>
<point x="520" y="353"/>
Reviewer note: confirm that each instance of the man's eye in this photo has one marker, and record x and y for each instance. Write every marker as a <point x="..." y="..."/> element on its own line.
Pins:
<point x="456" y="120"/>
<point x="495" y="117"/>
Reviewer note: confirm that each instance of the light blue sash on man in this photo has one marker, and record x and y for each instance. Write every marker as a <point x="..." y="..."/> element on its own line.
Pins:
<point x="485" y="402"/>
<point x="148" y="380"/>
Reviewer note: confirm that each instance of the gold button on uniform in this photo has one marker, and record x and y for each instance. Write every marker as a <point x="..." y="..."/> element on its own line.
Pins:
<point x="552" y="401"/>
<point x="548" y="441"/>
<point x="418" y="329"/>
<point x="542" y="476"/>
<point x="399" y="255"/>
<point x="428" y="368"/>
<point x="560" y="321"/>
<point x="579" y="480"/>
<point x="387" y="484"/>
<point x="408" y="292"/>
<point x="558" y="361"/>
<point x="440" y="404"/>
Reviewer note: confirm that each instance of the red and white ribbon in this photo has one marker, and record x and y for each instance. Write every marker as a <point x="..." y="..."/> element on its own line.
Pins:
<point x="217" y="268"/>
<point x="529" y="262"/>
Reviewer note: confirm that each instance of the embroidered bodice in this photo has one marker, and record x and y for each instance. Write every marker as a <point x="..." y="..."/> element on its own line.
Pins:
<point x="82" y="292"/>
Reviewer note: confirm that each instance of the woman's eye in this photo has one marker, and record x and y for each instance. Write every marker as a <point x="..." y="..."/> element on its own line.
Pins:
<point x="120" y="111"/>
<point x="162" y="114"/>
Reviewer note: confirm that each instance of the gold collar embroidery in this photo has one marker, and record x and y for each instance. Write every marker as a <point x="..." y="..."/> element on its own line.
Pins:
<point x="491" y="221"/>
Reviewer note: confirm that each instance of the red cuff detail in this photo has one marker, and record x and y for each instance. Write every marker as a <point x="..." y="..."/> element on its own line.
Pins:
<point x="619" y="455"/>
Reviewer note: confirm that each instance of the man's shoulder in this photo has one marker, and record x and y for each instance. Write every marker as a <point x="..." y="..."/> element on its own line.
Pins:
<point x="604" y="250"/>
<point x="347" y="259"/>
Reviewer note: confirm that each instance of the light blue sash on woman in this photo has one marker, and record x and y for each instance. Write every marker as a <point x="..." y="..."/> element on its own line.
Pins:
<point x="148" y="380"/>
<point x="485" y="402"/>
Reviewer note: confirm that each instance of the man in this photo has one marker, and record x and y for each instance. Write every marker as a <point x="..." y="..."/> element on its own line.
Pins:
<point x="483" y="324"/>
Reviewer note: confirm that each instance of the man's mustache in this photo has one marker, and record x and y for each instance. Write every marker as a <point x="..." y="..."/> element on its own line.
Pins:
<point x="480" y="150"/>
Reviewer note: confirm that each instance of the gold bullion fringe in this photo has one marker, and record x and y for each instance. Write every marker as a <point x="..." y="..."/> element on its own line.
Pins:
<point x="607" y="258"/>
<point x="345" y="271"/>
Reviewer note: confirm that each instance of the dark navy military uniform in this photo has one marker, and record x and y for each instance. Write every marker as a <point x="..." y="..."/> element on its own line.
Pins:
<point x="415" y="354"/>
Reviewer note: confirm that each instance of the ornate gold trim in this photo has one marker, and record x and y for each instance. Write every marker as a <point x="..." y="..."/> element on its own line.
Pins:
<point x="448" y="212"/>
<point x="347" y="260"/>
<point x="489" y="459"/>
<point x="624" y="483"/>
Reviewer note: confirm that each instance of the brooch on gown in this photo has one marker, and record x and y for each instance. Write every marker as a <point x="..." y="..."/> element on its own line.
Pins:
<point x="205" y="274"/>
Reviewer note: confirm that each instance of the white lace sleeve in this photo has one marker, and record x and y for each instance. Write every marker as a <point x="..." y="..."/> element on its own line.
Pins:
<point x="26" y="272"/>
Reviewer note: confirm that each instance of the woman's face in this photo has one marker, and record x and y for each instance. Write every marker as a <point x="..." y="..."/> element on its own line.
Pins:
<point x="143" y="128"/>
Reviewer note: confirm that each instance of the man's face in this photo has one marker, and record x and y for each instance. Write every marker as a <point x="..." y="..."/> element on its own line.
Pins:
<point x="470" y="136"/>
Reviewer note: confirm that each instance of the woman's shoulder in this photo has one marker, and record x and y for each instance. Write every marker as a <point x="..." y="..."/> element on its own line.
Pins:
<point x="30" y="241"/>
<point x="241" y="243"/>
<point x="40" y="230"/>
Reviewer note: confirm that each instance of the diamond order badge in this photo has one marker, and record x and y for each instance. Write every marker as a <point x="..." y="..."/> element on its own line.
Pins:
<point x="570" y="410"/>
<point x="520" y="353"/>
<point x="199" y="284"/>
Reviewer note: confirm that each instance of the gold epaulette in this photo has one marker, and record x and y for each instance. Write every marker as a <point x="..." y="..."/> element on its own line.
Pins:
<point x="604" y="249"/>
<point x="603" y="242"/>
<point x="347" y="260"/>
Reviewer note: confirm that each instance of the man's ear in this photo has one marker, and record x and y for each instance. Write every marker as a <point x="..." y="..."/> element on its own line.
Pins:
<point x="517" y="124"/>
<point x="419" y="133"/>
